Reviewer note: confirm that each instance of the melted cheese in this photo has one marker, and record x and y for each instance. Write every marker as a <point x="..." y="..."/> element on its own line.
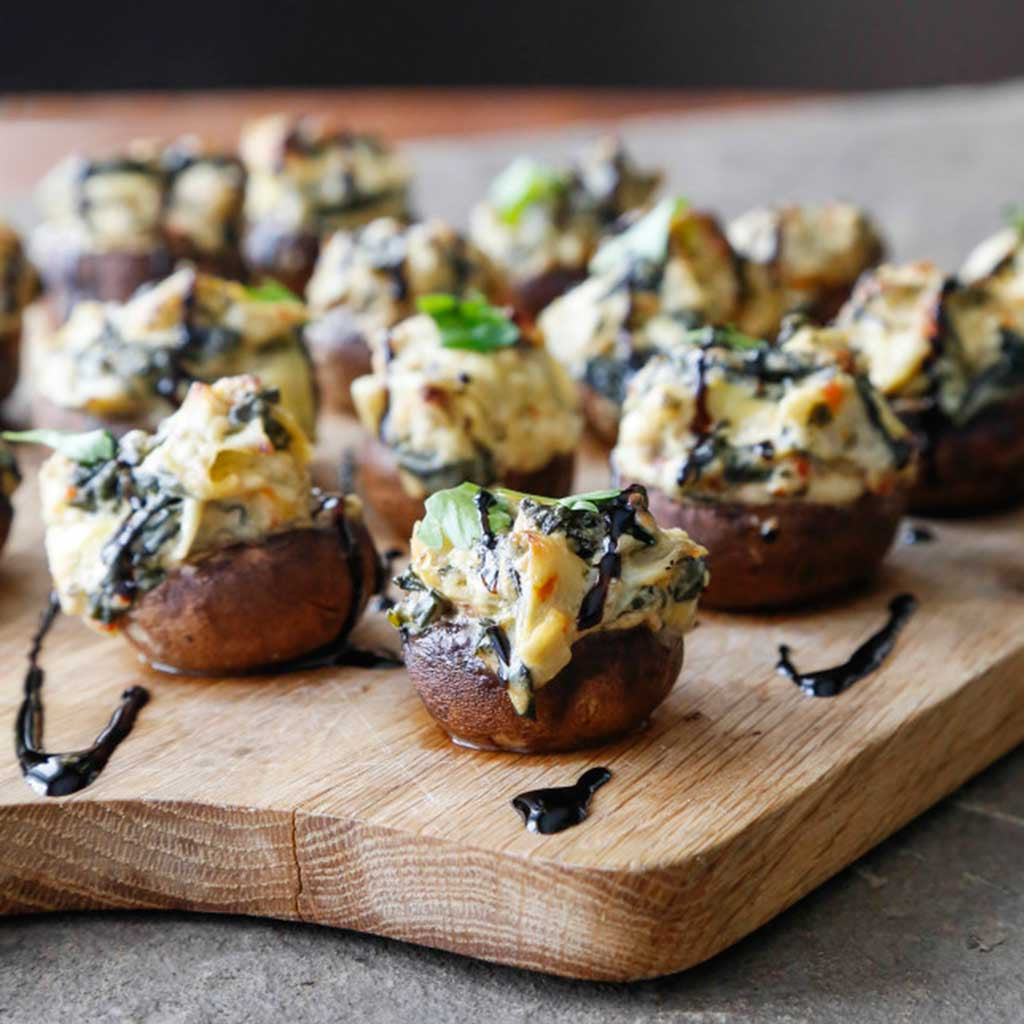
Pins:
<point x="204" y="201"/>
<point x="616" y="315"/>
<point x="378" y="272"/>
<point x="446" y="405"/>
<point x="75" y="367"/>
<point x="927" y="338"/>
<point x="302" y="177"/>
<point x="235" y="486"/>
<point x="793" y="256"/>
<point x="128" y="202"/>
<point x="540" y="584"/>
<point x="810" y="436"/>
<point x="562" y="231"/>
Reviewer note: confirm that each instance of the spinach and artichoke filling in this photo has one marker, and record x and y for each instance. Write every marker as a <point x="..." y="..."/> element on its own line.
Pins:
<point x="539" y="218"/>
<point x="229" y="467"/>
<point x="527" y="577"/>
<point x="938" y="346"/>
<point x="723" y="416"/>
<point x="136" y="361"/>
<point x="464" y="392"/>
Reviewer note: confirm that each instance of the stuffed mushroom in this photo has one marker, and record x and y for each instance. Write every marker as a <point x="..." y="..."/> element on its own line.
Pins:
<point x="531" y="624"/>
<point x="111" y="225"/>
<point x="541" y="224"/>
<point x="205" y="544"/>
<point x="675" y="269"/>
<point x="126" y="366"/>
<point x="801" y="259"/>
<point x="306" y="181"/>
<point x="790" y="468"/>
<point x="670" y="271"/>
<point x="462" y="392"/>
<point x="369" y="280"/>
<point x="19" y="285"/>
<point x="949" y="356"/>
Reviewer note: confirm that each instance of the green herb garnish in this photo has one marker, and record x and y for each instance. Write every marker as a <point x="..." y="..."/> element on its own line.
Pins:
<point x="269" y="290"/>
<point x="726" y="336"/>
<point x="525" y="183"/>
<point x="646" y="241"/>
<point x="453" y="515"/>
<point x="472" y="324"/>
<point x="84" y="448"/>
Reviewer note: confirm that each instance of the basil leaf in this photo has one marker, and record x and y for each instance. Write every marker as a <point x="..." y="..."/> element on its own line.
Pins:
<point x="646" y="241"/>
<point x="726" y="336"/>
<point x="437" y="303"/>
<point x="589" y="498"/>
<point x="525" y="183"/>
<point x="452" y="515"/>
<point x="85" y="448"/>
<point x="472" y="324"/>
<point x="269" y="290"/>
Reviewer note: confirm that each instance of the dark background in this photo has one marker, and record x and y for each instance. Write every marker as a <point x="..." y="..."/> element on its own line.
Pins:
<point x="807" y="44"/>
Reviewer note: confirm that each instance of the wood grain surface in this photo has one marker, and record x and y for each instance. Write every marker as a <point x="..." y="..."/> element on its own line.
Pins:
<point x="331" y="797"/>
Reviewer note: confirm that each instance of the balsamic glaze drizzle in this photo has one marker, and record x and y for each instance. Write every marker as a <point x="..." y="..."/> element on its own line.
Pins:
<point x="62" y="774"/>
<point x="556" y="809"/>
<point x="338" y="652"/>
<point x="620" y="517"/>
<point x="484" y="502"/>
<point x="830" y="682"/>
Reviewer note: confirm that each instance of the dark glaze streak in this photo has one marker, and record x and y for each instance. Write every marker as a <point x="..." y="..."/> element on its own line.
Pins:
<point x="620" y="518"/>
<point x="499" y="644"/>
<point x="556" y="809"/>
<point x="700" y="425"/>
<point x="484" y="502"/>
<point x="830" y="682"/>
<point x="912" y="533"/>
<point x="338" y="653"/>
<point x="62" y="774"/>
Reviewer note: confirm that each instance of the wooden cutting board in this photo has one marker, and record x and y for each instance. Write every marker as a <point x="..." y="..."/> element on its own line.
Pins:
<point x="331" y="797"/>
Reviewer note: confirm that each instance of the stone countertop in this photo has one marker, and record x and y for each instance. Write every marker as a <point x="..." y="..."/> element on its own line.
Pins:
<point x="927" y="927"/>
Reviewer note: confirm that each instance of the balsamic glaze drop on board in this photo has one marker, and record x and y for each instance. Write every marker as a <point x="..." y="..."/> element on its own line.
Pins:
<point x="556" y="809"/>
<point x="912" y="533"/>
<point x="830" y="682"/>
<point x="62" y="774"/>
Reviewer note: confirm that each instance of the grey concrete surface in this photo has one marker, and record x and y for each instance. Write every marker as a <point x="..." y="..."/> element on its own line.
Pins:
<point x="927" y="928"/>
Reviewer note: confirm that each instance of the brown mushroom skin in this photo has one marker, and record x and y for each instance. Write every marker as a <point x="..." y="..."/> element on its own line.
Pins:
<point x="285" y="255"/>
<point x="530" y="295"/>
<point x="379" y="484"/>
<point x="976" y="468"/>
<point x="251" y="606"/>
<point x="601" y="413"/>
<point x="616" y="678"/>
<point x="6" y="518"/>
<point x="10" y="359"/>
<point x="340" y="354"/>
<point x="72" y="276"/>
<point x="226" y="263"/>
<point x="784" y="553"/>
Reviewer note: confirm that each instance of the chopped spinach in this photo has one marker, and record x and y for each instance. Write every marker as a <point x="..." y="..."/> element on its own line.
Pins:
<point x="259" y="405"/>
